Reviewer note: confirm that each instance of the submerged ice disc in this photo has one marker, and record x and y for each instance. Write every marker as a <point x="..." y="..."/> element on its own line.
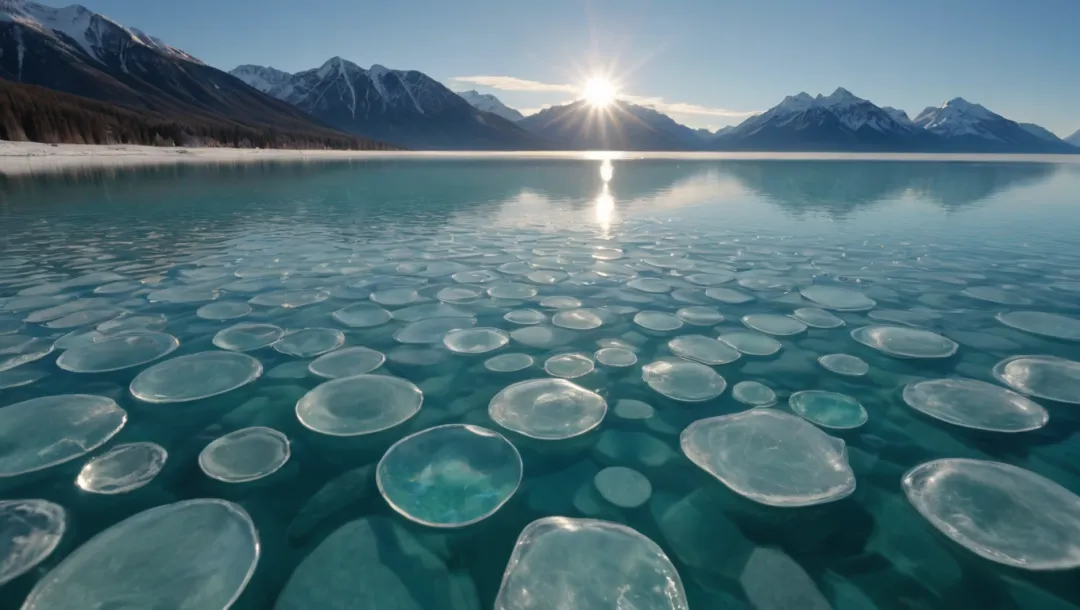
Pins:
<point x="844" y="364"/>
<point x="773" y="324"/>
<point x="623" y="487"/>
<point x="473" y="341"/>
<point x="189" y="555"/>
<point x="699" y="315"/>
<point x="751" y="344"/>
<point x="817" y="318"/>
<point x="525" y="317"/>
<point x="512" y="291"/>
<point x="683" y="380"/>
<point x="615" y="356"/>
<point x="30" y="530"/>
<point x="586" y="564"/>
<point x="44" y="432"/>
<point x="753" y="393"/>
<point x="839" y="299"/>
<point x="1046" y="377"/>
<point x="1000" y="512"/>
<point x="508" y="363"/>
<point x="362" y="315"/>
<point x="195" y="376"/>
<point x="310" y="342"/>
<point x="245" y="455"/>
<point x="727" y="295"/>
<point x="431" y="330"/>
<point x="771" y="457"/>
<point x="247" y="337"/>
<point x="658" y="321"/>
<point x="289" y="299"/>
<point x="975" y="404"/>
<point x="223" y="310"/>
<point x="577" y="319"/>
<point x="122" y="469"/>
<point x="449" y="476"/>
<point x="1044" y="324"/>
<point x="346" y="363"/>
<point x="362" y="404"/>
<point x="547" y="409"/>
<point x="828" y="409"/>
<point x="705" y="350"/>
<point x="903" y="342"/>
<point x="117" y="353"/>
<point x="650" y="285"/>
<point x="569" y="366"/>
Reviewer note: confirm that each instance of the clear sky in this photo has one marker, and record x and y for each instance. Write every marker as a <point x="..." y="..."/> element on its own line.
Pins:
<point x="706" y="62"/>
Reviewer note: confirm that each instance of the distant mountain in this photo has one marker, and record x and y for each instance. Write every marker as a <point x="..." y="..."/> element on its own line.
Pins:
<point x="705" y="134"/>
<point x="405" y="107"/>
<point x="898" y="115"/>
<point x="840" y="121"/>
<point x="1074" y="139"/>
<point x="617" y="126"/>
<point x="77" y="51"/>
<point x="968" y="127"/>
<point x="1041" y="132"/>
<point x="490" y="103"/>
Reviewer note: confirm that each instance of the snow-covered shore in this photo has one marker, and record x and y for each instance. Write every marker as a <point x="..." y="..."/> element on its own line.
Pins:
<point x="20" y="158"/>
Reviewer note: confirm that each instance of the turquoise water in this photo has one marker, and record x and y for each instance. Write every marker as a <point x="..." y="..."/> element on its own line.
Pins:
<point x="403" y="257"/>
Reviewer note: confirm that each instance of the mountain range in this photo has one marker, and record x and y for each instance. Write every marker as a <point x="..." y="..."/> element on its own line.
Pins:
<point x="164" y="90"/>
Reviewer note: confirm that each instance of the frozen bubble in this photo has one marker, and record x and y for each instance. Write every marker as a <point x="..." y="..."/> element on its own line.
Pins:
<point x="1000" y="512"/>
<point x="122" y="469"/>
<point x="913" y="318"/>
<point x="623" y="487"/>
<point x="525" y="317"/>
<point x="33" y="302"/>
<point x="615" y="357"/>
<point x="546" y="277"/>
<point x="577" y="319"/>
<point x="362" y="315"/>
<point x="710" y="279"/>
<point x="586" y="564"/>
<point x="64" y="309"/>
<point x="649" y="284"/>
<point x="975" y="404"/>
<point x="195" y="376"/>
<point x="515" y="268"/>
<point x="508" y="363"/>
<point x="346" y="363"/>
<point x="30" y="531"/>
<point x="20" y="376"/>
<point x="828" y="409"/>
<point x="607" y="254"/>
<point x="683" y="381"/>
<point x="184" y="294"/>
<point x="449" y="476"/>
<point x="245" y="337"/>
<point x="560" y="302"/>
<point x="511" y="291"/>
<point x="118" y="287"/>
<point x="705" y="350"/>
<point x="223" y="310"/>
<point x="431" y="330"/>
<point x="727" y="295"/>
<point x="85" y="318"/>
<point x="44" y="432"/>
<point x="1044" y="324"/>
<point x="764" y="283"/>
<point x="189" y="555"/>
<point x="361" y="404"/>
<point x="396" y="297"/>
<point x="415" y="313"/>
<point x="289" y="299"/>
<point x="658" y="321"/>
<point x="22" y="350"/>
<point x="902" y="342"/>
<point x="133" y="323"/>
<point x="773" y="581"/>
<point x="773" y="324"/>
<point x="245" y="455"/>
<point x="700" y="315"/>
<point x="542" y="337"/>
<point x="771" y="457"/>
<point x="817" y="318"/>
<point x="568" y="366"/>
<point x="844" y="364"/>
<point x="117" y="353"/>
<point x="310" y="342"/>
<point x="459" y="294"/>
<point x="996" y="294"/>
<point x="839" y="299"/>
<point x="1045" y="377"/>
<point x="547" y="409"/>
<point x="751" y="344"/>
<point x="482" y="276"/>
<point x="753" y="393"/>
<point x="633" y="409"/>
<point x="475" y="340"/>
<point x="76" y="338"/>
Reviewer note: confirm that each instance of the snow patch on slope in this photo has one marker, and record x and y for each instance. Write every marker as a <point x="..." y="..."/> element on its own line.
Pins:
<point x="489" y="103"/>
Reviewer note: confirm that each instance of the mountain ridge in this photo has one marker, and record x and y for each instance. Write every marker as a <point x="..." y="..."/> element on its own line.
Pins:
<point x="489" y="103"/>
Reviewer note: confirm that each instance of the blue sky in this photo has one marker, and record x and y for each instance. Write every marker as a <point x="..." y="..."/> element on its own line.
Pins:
<point x="706" y="62"/>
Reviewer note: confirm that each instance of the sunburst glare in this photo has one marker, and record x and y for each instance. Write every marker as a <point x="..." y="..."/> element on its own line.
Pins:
<point x="599" y="92"/>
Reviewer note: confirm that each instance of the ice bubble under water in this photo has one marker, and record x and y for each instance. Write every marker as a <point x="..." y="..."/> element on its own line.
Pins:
<point x="471" y="341"/>
<point x="508" y="363"/>
<point x="122" y="469"/>
<point x="117" y="353"/>
<point x="751" y="344"/>
<point x="245" y="455"/>
<point x="705" y="350"/>
<point x="838" y="299"/>
<point x="346" y="362"/>
<point x="569" y="366"/>
<point x="195" y="376"/>
<point x="30" y="530"/>
<point x="845" y="364"/>
<point x="1045" y="377"/>
<point x="587" y="564"/>
<point x="362" y="404"/>
<point x="828" y="409"/>
<point x="310" y="342"/>
<point x="246" y="337"/>
<point x="617" y="357"/>
<point x="623" y="487"/>
<point x="683" y="380"/>
<point x="753" y="393"/>
<point x="362" y="315"/>
<point x="449" y="476"/>
<point x="817" y="318"/>
<point x="773" y="324"/>
<point x="1051" y="325"/>
<point x="547" y="409"/>
<point x="975" y="404"/>
<point x="902" y="342"/>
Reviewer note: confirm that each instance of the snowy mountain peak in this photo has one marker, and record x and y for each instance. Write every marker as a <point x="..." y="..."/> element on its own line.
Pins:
<point x="959" y="117"/>
<point x="1074" y="139"/>
<point x="262" y="78"/>
<point x="839" y="97"/>
<point x="897" y="115"/>
<point x="489" y="103"/>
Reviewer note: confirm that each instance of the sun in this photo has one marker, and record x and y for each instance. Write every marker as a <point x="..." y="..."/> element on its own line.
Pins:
<point x="599" y="92"/>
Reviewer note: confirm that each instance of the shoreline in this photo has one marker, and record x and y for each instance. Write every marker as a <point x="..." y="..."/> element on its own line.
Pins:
<point x="32" y="158"/>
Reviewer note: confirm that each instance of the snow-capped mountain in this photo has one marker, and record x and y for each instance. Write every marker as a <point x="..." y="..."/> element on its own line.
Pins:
<point x="898" y="115"/>
<point x="618" y="126"/>
<point x="404" y="107"/>
<point x="1040" y="131"/>
<point x="490" y="103"/>
<point x="967" y="126"/>
<point x="77" y="51"/>
<point x="1074" y="139"/>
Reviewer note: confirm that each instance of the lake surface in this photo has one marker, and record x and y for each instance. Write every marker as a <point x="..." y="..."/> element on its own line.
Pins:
<point x="462" y="277"/>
